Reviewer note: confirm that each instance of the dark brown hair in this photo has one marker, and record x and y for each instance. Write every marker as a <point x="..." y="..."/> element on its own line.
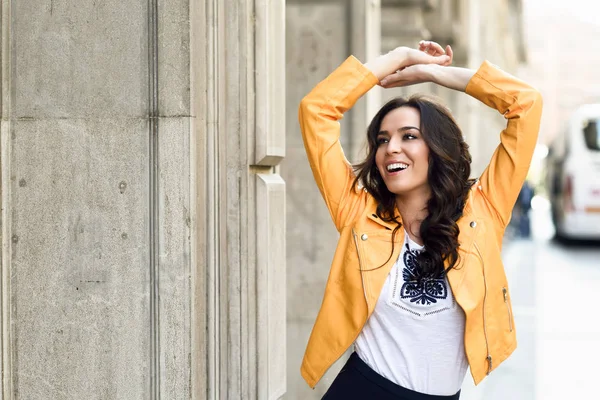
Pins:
<point x="448" y="177"/>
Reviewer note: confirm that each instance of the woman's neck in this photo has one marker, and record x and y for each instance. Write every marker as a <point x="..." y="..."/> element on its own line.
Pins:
<point x="413" y="211"/>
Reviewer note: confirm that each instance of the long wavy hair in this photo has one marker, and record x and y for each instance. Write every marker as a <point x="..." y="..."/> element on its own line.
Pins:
<point x="448" y="177"/>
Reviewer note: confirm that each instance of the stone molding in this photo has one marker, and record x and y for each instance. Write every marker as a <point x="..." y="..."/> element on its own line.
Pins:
<point x="239" y="249"/>
<point x="269" y="82"/>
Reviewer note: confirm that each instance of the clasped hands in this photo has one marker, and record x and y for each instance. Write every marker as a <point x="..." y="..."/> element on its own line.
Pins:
<point x="405" y="66"/>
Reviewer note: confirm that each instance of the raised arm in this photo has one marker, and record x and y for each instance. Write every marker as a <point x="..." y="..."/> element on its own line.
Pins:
<point x="319" y="115"/>
<point x="521" y="105"/>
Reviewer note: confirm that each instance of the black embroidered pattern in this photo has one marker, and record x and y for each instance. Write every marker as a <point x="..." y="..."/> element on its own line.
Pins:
<point x="420" y="290"/>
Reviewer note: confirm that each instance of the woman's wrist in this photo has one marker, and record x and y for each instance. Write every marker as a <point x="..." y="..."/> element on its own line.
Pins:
<point x="456" y="78"/>
<point x="385" y="64"/>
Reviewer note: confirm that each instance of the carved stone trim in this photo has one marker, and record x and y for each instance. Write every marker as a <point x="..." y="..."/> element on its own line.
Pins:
<point x="269" y="81"/>
<point x="153" y="217"/>
<point x="270" y="286"/>
<point x="229" y="104"/>
<point x="5" y="147"/>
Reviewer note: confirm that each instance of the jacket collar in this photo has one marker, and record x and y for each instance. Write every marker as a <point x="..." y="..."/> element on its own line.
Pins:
<point x="372" y="215"/>
<point x="372" y="208"/>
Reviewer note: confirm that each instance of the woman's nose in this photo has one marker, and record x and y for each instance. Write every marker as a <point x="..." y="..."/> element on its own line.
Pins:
<point x="394" y="146"/>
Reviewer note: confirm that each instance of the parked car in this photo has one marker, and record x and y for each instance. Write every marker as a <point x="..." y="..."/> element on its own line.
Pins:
<point x="573" y="176"/>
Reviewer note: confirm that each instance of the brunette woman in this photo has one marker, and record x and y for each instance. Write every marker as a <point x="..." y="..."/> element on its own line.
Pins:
<point x="417" y="283"/>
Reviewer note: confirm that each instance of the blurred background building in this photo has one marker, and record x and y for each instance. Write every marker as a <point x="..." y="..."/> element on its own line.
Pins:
<point x="563" y="58"/>
<point x="319" y="36"/>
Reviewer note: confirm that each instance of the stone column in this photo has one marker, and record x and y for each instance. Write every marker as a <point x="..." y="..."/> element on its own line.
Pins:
<point x="142" y="213"/>
<point x="241" y="197"/>
<point x="80" y="200"/>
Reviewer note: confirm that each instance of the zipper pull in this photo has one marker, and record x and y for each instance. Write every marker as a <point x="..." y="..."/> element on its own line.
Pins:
<point x="504" y="292"/>
<point x="489" y="360"/>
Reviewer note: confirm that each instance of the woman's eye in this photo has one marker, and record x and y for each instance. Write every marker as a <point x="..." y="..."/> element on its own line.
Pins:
<point x="409" y="136"/>
<point x="382" y="140"/>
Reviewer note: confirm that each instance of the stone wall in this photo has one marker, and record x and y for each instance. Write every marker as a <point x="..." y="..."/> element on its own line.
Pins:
<point x="77" y="150"/>
<point x="143" y="218"/>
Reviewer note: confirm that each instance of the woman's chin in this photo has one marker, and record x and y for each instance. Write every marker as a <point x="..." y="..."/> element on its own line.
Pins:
<point x="400" y="190"/>
<point x="406" y="189"/>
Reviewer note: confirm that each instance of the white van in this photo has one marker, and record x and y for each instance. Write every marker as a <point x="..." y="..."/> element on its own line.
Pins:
<point x="573" y="172"/>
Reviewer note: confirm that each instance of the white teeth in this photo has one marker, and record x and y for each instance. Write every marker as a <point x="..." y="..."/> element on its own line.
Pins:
<point x="397" y="166"/>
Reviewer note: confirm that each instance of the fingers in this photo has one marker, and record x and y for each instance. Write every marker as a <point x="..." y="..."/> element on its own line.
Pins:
<point x="450" y="54"/>
<point x="407" y="76"/>
<point x="431" y="48"/>
<point x="390" y="79"/>
<point x="419" y="57"/>
<point x="434" y="49"/>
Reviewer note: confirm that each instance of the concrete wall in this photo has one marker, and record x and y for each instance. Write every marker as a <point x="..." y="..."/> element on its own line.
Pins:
<point x="142" y="215"/>
<point x="76" y="163"/>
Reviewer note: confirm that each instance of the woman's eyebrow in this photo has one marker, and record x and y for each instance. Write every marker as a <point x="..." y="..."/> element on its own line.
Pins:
<point x="407" y="128"/>
<point x="404" y="128"/>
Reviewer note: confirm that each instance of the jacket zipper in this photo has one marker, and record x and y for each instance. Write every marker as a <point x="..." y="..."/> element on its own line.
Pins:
<point x="505" y="293"/>
<point x="489" y="356"/>
<point x="354" y="235"/>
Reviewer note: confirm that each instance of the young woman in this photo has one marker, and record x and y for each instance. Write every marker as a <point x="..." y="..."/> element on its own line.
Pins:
<point x="417" y="282"/>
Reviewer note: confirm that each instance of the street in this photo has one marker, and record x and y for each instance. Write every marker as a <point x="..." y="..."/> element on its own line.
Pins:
<point x="557" y="320"/>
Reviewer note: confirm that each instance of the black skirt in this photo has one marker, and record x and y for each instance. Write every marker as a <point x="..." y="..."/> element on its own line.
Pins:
<point x="357" y="381"/>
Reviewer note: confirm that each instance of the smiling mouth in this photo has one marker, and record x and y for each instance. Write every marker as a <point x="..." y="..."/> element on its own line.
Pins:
<point x="396" y="167"/>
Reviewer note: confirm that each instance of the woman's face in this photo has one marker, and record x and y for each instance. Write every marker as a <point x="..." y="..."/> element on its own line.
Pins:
<point x="402" y="156"/>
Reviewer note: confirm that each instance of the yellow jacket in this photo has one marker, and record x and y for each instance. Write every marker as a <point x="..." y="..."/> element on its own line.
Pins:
<point x="478" y="282"/>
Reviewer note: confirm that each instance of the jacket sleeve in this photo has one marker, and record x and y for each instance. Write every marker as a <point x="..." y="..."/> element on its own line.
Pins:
<point x="521" y="105"/>
<point x="319" y="115"/>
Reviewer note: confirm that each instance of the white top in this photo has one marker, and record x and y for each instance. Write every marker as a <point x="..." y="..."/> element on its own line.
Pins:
<point x="415" y="336"/>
